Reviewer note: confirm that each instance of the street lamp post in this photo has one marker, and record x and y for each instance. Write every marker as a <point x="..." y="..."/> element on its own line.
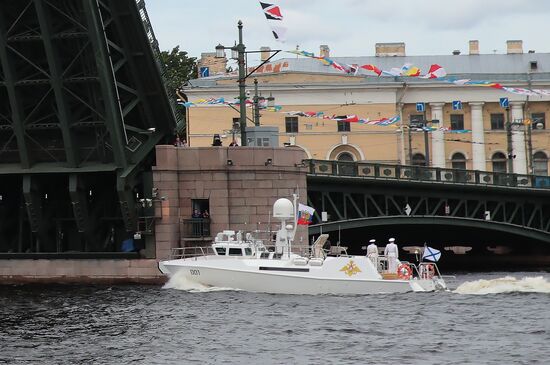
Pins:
<point x="510" y="148"/>
<point x="238" y="52"/>
<point x="242" y="84"/>
<point x="426" y="141"/>
<point x="528" y="129"/>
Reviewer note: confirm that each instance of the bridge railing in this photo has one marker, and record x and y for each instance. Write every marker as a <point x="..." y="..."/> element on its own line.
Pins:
<point x="177" y="111"/>
<point x="426" y="174"/>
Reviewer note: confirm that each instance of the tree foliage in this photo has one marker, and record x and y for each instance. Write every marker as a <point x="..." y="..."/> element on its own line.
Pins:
<point x="178" y="67"/>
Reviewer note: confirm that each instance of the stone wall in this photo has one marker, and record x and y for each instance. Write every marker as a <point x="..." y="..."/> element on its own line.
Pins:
<point x="240" y="194"/>
<point x="241" y="184"/>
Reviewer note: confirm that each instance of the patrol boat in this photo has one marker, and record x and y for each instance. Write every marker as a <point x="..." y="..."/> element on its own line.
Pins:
<point x="238" y="260"/>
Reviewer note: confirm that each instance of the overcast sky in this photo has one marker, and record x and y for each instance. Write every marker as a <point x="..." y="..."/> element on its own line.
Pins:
<point x="352" y="27"/>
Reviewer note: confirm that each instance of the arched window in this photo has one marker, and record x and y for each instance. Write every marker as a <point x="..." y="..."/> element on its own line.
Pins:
<point x="346" y="168"/>
<point x="458" y="161"/>
<point x="418" y="159"/>
<point x="345" y="156"/>
<point x="499" y="162"/>
<point x="540" y="164"/>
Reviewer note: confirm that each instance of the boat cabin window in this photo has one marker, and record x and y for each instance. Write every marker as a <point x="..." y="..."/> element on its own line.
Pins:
<point x="264" y="255"/>
<point x="220" y="251"/>
<point x="235" y="252"/>
<point x="248" y="251"/>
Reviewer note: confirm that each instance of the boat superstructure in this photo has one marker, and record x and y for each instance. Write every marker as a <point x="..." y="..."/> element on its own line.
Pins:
<point x="240" y="260"/>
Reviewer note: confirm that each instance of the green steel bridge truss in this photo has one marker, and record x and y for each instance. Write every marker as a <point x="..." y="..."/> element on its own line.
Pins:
<point x="82" y="106"/>
<point x="367" y="194"/>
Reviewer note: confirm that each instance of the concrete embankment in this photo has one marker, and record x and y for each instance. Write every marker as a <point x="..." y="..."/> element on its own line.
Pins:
<point x="82" y="271"/>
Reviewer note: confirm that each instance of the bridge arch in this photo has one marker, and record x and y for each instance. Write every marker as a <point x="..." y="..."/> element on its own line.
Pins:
<point x="432" y="221"/>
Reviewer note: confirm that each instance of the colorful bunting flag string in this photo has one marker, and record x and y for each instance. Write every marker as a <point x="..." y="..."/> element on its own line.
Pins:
<point x="436" y="72"/>
<point x="311" y="114"/>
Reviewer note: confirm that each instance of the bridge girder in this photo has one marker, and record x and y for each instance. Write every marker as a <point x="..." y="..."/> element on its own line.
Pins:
<point x="431" y="221"/>
<point x="360" y="201"/>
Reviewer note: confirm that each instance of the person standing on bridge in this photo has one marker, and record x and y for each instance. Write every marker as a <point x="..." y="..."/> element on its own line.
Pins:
<point x="372" y="253"/>
<point x="392" y="254"/>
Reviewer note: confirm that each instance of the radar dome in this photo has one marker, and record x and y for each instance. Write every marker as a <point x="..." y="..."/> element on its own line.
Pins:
<point x="283" y="208"/>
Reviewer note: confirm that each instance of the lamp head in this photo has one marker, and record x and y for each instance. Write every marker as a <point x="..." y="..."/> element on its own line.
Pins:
<point x="220" y="51"/>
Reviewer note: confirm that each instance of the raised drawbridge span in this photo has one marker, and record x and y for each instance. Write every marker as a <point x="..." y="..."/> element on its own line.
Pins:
<point x="82" y="106"/>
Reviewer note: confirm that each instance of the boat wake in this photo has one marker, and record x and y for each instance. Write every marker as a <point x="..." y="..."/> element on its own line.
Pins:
<point x="508" y="284"/>
<point x="180" y="282"/>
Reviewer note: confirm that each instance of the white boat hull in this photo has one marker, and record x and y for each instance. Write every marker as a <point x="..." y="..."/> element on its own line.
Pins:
<point x="283" y="277"/>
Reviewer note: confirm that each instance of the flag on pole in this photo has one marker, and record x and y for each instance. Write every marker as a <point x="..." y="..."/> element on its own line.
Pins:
<point x="431" y="254"/>
<point x="305" y="214"/>
<point x="274" y="17"/>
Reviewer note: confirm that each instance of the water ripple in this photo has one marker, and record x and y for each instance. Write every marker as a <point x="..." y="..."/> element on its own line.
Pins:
<point x="151" y="325"/>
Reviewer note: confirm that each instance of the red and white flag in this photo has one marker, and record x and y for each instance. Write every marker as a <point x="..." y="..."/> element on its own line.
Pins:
<point x="372" y="68"/>
<point x="274" y="17"/>
<point x="435" y="72"/>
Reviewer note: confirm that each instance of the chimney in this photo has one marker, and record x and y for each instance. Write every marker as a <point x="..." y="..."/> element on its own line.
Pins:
<point x="474" y="47"/>
<point x="390" y="49"/>
<point x="324" y="51"/>
<point x="514" y="47"/>
<point x="265" y="53"/>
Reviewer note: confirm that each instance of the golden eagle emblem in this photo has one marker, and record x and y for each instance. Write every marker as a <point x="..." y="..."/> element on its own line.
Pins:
<point x="351" y="268"/>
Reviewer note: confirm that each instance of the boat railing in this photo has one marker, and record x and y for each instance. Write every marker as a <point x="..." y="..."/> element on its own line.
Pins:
<point x="422" y="270"/>
<point x="190" y="252"/>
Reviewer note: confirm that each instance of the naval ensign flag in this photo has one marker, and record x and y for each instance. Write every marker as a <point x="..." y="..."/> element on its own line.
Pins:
<point x="431" y="254"/>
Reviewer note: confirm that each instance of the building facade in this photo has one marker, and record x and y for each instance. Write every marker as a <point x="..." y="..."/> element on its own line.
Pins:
<point x="476" y="133"/>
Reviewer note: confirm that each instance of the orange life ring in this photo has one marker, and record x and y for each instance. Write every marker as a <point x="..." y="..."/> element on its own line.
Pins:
<point x="404" y="272"/>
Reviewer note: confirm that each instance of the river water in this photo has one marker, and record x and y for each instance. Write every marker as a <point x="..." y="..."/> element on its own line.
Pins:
<point x="496" y="318"/>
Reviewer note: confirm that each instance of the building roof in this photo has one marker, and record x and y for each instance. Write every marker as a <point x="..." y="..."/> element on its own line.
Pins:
<point x="460" y="64"/>
<point x="491" y="67"/>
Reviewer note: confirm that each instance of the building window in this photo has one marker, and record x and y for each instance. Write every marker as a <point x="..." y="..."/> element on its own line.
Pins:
<point x="497" y="121"/>
<point x="345" y="156"/>
<point x="538" y="121"/>
<point x="533" y="65"/>
<point x="291" y="124"/>
<point x="540" y="164"/>
<point x="458" y="161"/>
<point x="457" y="122"/>
<point x="419" y="160"/>
<point x="344" y="126"/>
<point x="262" y="142"/>
<point x="346" y="169"/>
<point x="201" y="206"/>
<point x="416" y="121"/>
<point x="499" y="162"/>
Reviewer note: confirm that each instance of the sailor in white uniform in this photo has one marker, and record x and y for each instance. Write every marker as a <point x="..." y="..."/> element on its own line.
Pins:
<point x="392" y="253"/>
<point x="372" y="252"/>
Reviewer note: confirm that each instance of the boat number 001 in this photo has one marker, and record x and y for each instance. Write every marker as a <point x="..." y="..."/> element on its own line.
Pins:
<point x="195" y="272"/>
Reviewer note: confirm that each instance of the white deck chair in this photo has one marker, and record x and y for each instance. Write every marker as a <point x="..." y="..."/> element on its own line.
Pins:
<point x="317" y="247"/>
